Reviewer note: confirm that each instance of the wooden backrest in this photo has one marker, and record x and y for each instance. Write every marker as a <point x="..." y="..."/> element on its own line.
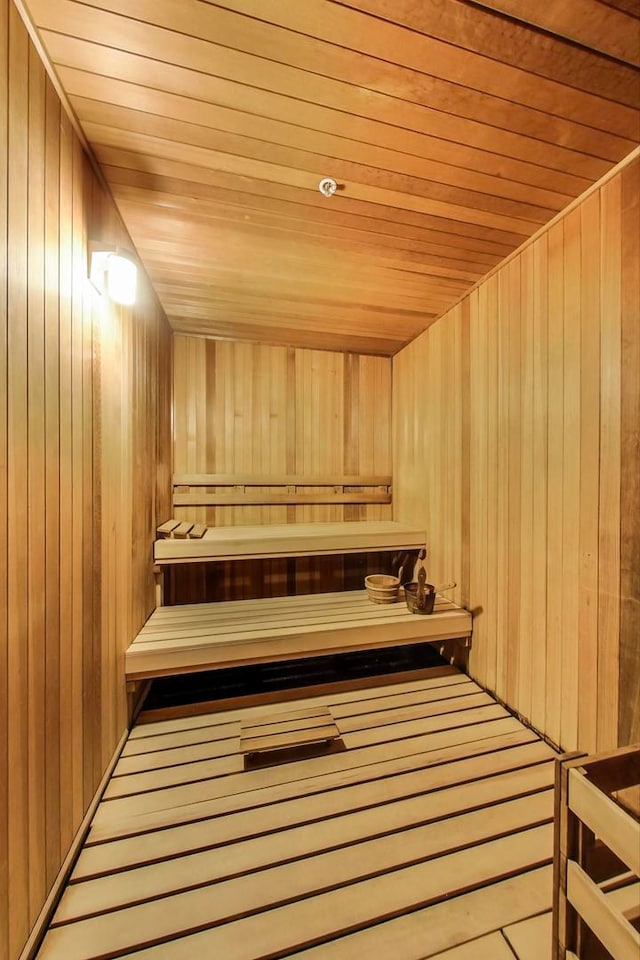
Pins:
<point x="218" y="489"/>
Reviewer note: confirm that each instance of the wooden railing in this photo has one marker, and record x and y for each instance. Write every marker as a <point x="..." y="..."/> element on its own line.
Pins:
<point x="219" y="489"/>
<point x="597" y="857"/>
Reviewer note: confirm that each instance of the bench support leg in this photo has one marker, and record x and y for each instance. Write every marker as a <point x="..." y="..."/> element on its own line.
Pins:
<point x="158" y="574"/>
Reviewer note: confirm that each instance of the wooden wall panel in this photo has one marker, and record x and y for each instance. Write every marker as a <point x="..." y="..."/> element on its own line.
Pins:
<point x="4" y="648"/>
<point x="520" y="454"/>
<point x="246" y="408"/>
<point x="629" y="700"/>
<point x="243" y="408"/>
<point x="17" y="692"/>
<point x="84" y="421"/>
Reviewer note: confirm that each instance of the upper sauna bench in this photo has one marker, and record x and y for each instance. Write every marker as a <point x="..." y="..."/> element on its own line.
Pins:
<point x="288" y="540"/>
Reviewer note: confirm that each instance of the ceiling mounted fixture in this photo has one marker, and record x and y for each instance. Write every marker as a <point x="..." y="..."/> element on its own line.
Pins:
<point x="327" y="186"/>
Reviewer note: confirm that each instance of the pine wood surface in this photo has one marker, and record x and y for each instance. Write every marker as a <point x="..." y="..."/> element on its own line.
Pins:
<point x="283" y="733"/>
<point x="526" y="479"/>
<point x="290" y="540"/>
<point x="324" y="854"/>
<point x="199" y="636"/>
<point x="125" y="851"/>
<point x="262" y="412"/>
<point x="80" y="438"/>
<point x="531" y="939"/>
<point x="532" y="399"/>
<point x="617" y="936"/>
<point x="613" y="825"/>
<point x="596" y="861"/>
<point x="454" y="133"/>
<point x="629" y="660"/>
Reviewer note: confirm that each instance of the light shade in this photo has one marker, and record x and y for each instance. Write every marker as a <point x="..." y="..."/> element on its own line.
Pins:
<point x="114" y="274"/>
<point x="122" y="279"/>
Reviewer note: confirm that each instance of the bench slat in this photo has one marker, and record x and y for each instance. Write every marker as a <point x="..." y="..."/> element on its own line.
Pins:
<point x="291" y="540"/>
<point x="167" y="527"/>
<point x="277" y="480"/>
<point x="258" y="499"/>
<point x="246" y="631"/>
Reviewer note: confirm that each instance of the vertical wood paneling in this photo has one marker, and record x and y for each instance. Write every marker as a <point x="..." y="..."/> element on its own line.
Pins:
<point x="525" y="617"/>
<point x="52" y="480"/>
<point x="4" y="649"/>
<point x="589" y="472"/>
<point x="478" y="471"/>
<point x="555" y="498"/>
<point x="255" y="409"/>
<point x="65" y="547"/>
<point x="17" y="464"/>
<point x="465" y="466"/>
<point x="36" y="501"/>
<point x="80" y="527"/>
<point x="548" y="558"/>
<point x="488" y="294"/>
<point x="513" y="323"/>
<point x="571" y="478"/>
<point x="84" y="389"/>
<point x="537" y="677"/>
<point x="610" y="467"/>
<point x="503" y="573"/>
<point x="629" y="701"/>
<point x="92" y="514"/>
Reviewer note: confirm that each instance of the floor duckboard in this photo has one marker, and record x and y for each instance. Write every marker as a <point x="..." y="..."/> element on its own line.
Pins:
<point x="430" y="835"/>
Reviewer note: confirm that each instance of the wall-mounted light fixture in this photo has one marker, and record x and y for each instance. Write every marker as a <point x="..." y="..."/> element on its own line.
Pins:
<point x="113" y="271"/>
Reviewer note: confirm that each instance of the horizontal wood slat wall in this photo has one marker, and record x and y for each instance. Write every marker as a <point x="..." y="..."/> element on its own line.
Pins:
<point x="516" y="423"/>
<point x="80" y="437"/>
<point x="242" y="408"/>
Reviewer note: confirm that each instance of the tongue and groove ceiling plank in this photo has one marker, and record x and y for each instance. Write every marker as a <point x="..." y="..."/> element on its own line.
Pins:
<point x="601" y="26"/>
<point x="454" y="129"/>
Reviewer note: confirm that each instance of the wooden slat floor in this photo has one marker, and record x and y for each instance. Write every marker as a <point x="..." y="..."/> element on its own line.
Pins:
<point x="426" y="832"/>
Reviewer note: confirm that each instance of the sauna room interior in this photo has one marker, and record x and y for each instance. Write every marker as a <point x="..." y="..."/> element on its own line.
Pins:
<point x="387" y="302"/>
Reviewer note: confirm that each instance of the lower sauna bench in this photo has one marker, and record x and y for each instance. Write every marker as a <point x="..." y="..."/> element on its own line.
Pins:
<point x="202" y="636"/>
<point x="427" y="833"/>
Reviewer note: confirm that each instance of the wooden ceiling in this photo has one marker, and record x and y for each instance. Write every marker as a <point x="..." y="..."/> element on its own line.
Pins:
<point x="455" y="129"/>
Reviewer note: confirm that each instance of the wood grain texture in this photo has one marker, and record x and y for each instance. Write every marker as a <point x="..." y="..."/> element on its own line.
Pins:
<point x="4" y="657"/>
<point x="592" y="24"/>
<point x="36" y="434"/>
<point x="453" y="131"/>
<point x="596" y="907"/>
<point x="544" y="551"/>
<point x="280" y="628"/>
<point x="363" y="849"/>
<point x="63" y="359"/>
<point x="256" y="409"/>
<point x="17" y="467"/>
<point x="289" y="540"/>
<point x="629" y="705"/>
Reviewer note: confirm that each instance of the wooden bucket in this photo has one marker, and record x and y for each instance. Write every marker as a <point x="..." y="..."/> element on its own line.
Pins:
<point x="382" y="588"/>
